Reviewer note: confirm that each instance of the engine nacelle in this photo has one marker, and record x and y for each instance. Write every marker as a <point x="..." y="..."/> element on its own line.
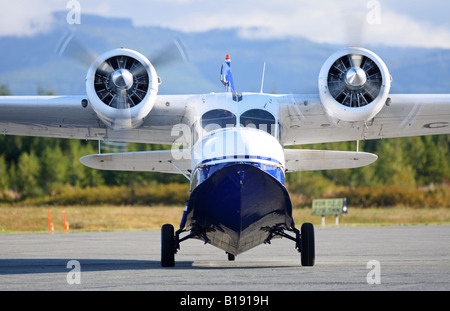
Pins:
<point x="122" y="86"/>
<point x="354" y="85"/>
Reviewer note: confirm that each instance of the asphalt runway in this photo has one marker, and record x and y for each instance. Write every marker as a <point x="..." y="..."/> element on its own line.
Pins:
<point x="347" y="258"/>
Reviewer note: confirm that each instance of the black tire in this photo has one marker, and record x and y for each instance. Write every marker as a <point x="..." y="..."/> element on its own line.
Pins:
<point x="307" y="243"/>
<point x="167" y="246"/>
<point x="231" y="257"/>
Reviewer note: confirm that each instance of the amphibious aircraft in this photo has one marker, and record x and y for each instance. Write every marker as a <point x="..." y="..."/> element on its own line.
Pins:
<point x="231" y="145"/>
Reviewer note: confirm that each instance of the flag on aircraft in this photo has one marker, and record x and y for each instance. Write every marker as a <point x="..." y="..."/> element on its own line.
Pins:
<point x="225" y="75"/>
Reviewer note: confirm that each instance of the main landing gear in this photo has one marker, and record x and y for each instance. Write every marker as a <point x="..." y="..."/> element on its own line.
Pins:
<point x="167" y="246"/>
<point x="170" y="243"/>
<point x="307" y="245"/>
<point x="304" y="242"/>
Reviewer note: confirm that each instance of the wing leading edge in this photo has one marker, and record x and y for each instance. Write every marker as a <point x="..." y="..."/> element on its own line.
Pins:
<point x="316" y="160"/>
<point x="161" y="161"/>
<point x="305" y="122"/>
<point x="73" y="117"/>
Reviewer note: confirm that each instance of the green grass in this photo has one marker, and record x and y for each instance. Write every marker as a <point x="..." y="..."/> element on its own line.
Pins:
<point x="395" y="216"/>
<point x="18" y="219"/>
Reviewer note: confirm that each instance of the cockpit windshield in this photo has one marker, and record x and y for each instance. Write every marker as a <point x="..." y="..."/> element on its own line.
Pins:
<point x="259" y="119"/>
<point x="217" y="119"/>
<point x="221" y="118"/>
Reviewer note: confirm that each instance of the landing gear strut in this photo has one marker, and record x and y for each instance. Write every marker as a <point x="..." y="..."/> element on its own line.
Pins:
<point x="304" y="241"/>
<point x="170" y="243"/>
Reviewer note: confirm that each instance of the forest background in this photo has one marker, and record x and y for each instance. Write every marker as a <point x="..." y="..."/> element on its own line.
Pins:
<point x="413" y="172"/>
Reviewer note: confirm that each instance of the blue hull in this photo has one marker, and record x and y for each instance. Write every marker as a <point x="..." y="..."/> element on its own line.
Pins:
<point x="237" y="206"/>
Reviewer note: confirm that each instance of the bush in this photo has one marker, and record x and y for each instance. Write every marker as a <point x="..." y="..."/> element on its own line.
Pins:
<point x="387" y="196"/>
<point x="157" y="194"/>
<point x="178" y="194"/>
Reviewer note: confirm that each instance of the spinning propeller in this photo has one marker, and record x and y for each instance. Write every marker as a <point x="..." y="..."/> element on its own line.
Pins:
<point x="70" y="47"/>
<point x="354" y="80"/>
<point x="354" y="83"/>
<point x="121" y="79"/>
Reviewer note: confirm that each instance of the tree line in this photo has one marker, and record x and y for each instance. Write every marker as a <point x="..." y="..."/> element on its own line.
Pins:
<point x="35" y="166"/>
<point x="404" y="162"/>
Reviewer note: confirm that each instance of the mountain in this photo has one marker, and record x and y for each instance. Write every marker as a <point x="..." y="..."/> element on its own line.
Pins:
<point x="292" y="64"/>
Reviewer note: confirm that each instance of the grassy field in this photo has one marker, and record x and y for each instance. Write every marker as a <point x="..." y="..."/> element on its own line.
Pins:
<point x="129" y="218"/>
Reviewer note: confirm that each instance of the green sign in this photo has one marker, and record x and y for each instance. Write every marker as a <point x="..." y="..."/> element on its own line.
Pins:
<point x="324" y="207"/>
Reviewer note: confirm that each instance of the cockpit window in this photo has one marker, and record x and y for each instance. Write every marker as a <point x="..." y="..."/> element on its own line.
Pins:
<point x="259" y="119"/>
<point x="218" y="118"/>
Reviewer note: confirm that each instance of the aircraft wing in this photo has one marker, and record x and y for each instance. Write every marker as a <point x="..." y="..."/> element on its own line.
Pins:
<point x="315" y="160"/>
<point x="65" y="117"/>
<point x="161" y="161"/>
<point x="306" y="122"/>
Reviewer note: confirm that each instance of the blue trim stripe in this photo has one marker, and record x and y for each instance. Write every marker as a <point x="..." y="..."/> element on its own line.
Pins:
<point x="244" y="157"/>
<point x="203" y="172"/>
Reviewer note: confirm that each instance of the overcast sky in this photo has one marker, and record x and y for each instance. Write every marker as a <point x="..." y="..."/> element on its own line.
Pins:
<point x="392" y="22"/>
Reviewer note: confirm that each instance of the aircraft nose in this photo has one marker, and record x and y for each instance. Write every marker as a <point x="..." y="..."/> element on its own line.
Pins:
<point x="238" y="143"/>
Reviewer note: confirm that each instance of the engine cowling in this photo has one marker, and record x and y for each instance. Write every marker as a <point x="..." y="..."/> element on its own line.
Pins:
<point x="122" y="86"/>
<point x="354" y="85"/>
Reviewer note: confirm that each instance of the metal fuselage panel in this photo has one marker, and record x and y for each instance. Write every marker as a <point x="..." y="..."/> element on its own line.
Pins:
<point x="237" y="189"/>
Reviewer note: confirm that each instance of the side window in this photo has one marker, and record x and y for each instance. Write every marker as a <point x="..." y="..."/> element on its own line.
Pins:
<point x="218" y="118"/>
<point x="259" y="119"/>
<point x="195" y="135"/>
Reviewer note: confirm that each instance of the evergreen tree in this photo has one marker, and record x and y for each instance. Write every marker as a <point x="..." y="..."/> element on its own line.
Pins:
<point x="27" y="175"/>
<point x="4" y="174"/>
<point x="4" y="90"/>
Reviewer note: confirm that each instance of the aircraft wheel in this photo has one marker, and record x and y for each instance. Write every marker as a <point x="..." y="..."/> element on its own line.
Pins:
<point x="307" y="244"/>
<point x="231" y="257"/>
<point x="167" y="246"/>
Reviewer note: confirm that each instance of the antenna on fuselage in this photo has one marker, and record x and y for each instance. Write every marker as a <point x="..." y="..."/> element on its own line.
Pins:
<point x="262" y="80"/>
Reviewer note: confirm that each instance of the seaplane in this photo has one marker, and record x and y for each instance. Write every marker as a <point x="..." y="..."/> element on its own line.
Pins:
<point x="232" y="146"/>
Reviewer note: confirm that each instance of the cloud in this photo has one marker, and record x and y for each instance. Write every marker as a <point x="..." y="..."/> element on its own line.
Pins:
<point x="400" y="30"/>
<point x="24" y="18"/>
<point x="401" y="24"/>
<point x="344" y="21"/>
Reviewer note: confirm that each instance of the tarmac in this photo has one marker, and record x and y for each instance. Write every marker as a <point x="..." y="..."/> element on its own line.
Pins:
<point x="400" y="258"/>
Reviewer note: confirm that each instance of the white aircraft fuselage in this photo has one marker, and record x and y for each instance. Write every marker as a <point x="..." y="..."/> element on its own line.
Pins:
<point x="238" y="194"/>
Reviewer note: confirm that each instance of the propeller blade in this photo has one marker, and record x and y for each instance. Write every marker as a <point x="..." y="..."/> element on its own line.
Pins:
<point x="123" y="114"/>
<point x="354" y="24"/>
<point x="173" y="52"/>
<point x="105" y="69"/>
<point x="138" y="70"/>
<point x="113" y="146"/>
<point x="355" y="60"/>
<point x="70" y="47"/>
<point x="122" y="99"/>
